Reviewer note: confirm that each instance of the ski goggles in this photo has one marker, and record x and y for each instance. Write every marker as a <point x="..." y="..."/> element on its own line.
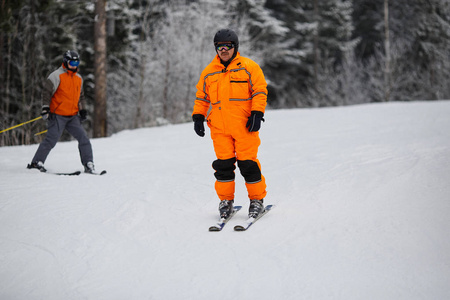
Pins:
<point x="225" y="47"/>
<point x="74" y="63"/>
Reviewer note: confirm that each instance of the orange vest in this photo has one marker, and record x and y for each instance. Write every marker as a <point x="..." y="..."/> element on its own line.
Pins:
<point x="233" y="92"/>
<point x="67" y="90"/>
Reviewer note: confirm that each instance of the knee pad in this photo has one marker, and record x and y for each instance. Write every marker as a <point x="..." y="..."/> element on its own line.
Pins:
<point x="249" y="170"/>
<point x="224" y="169"/>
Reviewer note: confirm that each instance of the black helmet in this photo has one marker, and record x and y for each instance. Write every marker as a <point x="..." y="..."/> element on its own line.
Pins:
<point x="71" y="55"/>
<point x="226" y="35"/>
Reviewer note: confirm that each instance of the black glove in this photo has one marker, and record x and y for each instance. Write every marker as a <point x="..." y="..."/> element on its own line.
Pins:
<point x="45" y="112"/>
<point x="254" y="121"/>
<point x="198" y="124"/>
<point x="83" y="115"/>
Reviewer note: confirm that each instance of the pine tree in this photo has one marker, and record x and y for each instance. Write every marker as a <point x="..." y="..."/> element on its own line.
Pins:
<point x="333" y="45"/>
<point x="34" y="36"/>
<point x="289" y="75"/>
<point x="419" y="39"/>
<point x="318" y="40"/>
<point x="428" y="27"/>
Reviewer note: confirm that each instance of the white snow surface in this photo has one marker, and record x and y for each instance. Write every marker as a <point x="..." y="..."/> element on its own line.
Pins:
<point x="362" y="211"/>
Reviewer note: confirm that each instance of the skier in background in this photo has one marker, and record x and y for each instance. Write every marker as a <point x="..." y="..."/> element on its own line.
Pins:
<point x="236" y="89"/>
<point x="63" y="105"/>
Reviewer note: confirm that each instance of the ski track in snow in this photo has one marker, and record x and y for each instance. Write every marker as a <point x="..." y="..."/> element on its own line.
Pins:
<point x="362" y="212"/>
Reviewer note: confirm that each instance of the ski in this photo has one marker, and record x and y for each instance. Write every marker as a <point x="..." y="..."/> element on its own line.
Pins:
<point x="221" y="223"/>
<point x="43" y="170"/>
<point x="97" y="173"/>
<point x="66" y="174"/>
<point x="250" y="221"/>
<point x="74" y="173"/>
<point x="61" y="173"/>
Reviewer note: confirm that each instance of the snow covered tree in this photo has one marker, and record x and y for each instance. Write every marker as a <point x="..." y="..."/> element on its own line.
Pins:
<point x="419" y="38"/>
<point x="313" y="53"/>
<point x="333" y="46"/>
<point x="288" y="75"/>
<point x="262" y="38"/>
<point x="318" y="40"/>
<point x="34" y="36"/>
<point x="430" y="47"/>
<point x="177" y="47"/>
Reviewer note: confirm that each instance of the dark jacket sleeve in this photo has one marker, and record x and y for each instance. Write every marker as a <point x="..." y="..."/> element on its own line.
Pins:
<point x="47" y="92"/>
<point x="82" y="101"/>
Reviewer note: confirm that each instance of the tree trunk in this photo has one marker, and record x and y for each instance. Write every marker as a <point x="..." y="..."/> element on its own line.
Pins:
<point x="100" y="120"/>
<point x="165" y="97"/>
<point x="316" y="45"/>
<point x="387" y="49"/>
<point x="138" y="122"/>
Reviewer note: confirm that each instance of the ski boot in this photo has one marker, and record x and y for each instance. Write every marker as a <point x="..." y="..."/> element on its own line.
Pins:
<point x="256" y="208"/>
<point x="89" y="167"/>
<point x="37" y="165"/>
<point x="226" y="208"/>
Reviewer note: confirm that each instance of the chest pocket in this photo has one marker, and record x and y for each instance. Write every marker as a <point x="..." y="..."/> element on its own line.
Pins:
<point x="213" y="91"/>
<point x="240" y="90"/>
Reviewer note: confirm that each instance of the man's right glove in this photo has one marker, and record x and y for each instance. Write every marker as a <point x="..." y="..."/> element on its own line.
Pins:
<point x="198" y="124"/>
<point x="45" y="111"/>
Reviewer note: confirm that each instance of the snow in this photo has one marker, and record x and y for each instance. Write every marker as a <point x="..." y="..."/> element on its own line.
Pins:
<point x="362" y="211"/>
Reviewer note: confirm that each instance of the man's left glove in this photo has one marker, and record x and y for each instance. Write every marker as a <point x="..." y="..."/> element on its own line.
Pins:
<point x="254" y="121"/>
<point x="83" y="115"/>
<point x="198" y="124"/>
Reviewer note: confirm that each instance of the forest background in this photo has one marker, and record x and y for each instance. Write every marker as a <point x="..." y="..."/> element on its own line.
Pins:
<point x="314" y="53"/>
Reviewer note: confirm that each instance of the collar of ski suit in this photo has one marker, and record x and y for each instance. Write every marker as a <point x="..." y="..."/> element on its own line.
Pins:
<point x="226" y="66"/>
<point x="72" y="72"/>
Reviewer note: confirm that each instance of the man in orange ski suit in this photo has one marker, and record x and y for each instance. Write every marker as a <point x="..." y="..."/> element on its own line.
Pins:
<point x="235" y="88"/>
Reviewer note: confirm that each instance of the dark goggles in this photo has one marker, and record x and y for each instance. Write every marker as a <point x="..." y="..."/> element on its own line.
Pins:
<point x="225" y="47"/>
<point x="74" y="63"/>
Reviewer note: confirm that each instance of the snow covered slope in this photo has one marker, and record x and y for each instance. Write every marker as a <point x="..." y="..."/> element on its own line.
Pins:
<point x="362" y="197"/>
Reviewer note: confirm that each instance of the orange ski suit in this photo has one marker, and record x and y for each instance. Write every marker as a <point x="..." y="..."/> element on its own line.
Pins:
<point x="233" y="92"/>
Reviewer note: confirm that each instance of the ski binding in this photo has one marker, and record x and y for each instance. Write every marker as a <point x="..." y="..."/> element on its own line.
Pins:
<point x="250" y="221"/>
<point x="221" y="223"/>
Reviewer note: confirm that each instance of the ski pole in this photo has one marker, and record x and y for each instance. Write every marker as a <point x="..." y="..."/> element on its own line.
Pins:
<point x="44" y="131"/>
<point x="40" y="117"/>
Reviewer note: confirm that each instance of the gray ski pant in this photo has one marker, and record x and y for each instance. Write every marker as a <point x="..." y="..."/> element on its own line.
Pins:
<point x="56" y="125"/>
